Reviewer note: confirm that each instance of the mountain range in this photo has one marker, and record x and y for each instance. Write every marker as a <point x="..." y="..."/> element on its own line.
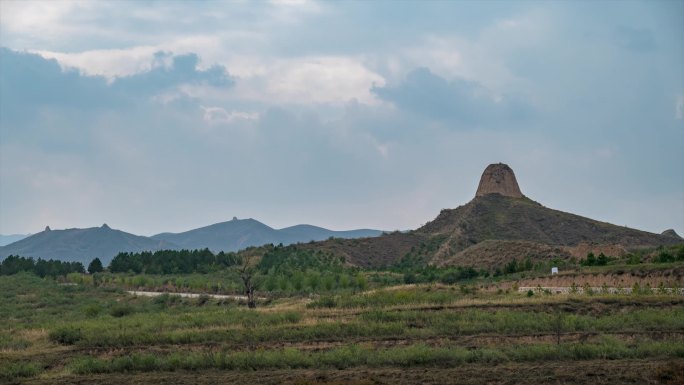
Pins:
<point x="238" y="234"/>
<point x="82" y="245"/>
<point x="499" y="224"/>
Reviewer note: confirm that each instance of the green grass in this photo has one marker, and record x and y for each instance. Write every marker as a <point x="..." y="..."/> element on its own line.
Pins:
<point x="49" y="329"/>
<point x="470" y="321"/>
<point x="386" y="298"/>
<point x="173" y="326"/>
<point x="354" y="356"/>
<point x="16" y="370"/>
<point x="30" y="302"/>
<point x="240" y="326"/>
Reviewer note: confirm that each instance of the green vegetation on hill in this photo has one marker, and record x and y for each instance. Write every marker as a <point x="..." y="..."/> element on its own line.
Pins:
<point x="286" y="259"/>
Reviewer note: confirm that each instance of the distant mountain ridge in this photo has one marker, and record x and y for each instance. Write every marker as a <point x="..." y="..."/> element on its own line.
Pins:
<point x="82" y="245"/>
<point x="7" y="239"/>
<point x="238" y="234"/>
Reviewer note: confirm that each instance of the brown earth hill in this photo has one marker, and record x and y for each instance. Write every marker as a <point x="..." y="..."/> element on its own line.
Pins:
<point x="499" y="224"/>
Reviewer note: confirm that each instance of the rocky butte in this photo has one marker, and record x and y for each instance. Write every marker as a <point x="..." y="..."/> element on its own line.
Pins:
<point x="498" y="179"/>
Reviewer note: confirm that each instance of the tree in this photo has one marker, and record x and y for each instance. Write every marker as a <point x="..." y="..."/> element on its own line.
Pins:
<point x="249" y="274"/>
<point x="591" y="259"/>
<point x="602" y="260"/>
<point x="95" y="266"/>
<point x="361" y="282"/>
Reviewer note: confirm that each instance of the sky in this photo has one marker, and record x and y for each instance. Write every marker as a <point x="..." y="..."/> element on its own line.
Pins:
<point x="166" y="116"/>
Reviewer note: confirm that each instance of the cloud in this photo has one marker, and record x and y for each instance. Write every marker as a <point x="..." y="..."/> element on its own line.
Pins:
<point x="321" y="80"/>
<point x="461" y="102"/>
<point x="60" y="110"/>
<point x="28" y="79"/>
<point x="217" y="115"/>
<point x="31" y="81"/>
<point x="76" y="26"/>
<point x="338" y="112"/>
<point x="172" y="71"/>
<point x="110" y="63"/>
<point x="324" y="79"/>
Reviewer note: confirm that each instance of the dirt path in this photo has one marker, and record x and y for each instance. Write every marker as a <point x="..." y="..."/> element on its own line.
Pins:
<point x="189" y="295"/>
<point x="597" y="290"/>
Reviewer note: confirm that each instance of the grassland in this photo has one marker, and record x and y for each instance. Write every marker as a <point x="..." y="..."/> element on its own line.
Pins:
<point x="53" y="333"/>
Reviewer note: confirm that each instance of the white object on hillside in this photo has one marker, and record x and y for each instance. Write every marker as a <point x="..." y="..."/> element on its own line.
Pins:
<point x="554" y="270"/>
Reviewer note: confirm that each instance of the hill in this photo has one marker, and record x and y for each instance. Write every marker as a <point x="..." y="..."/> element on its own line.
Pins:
<point x="498" y="224"/>
<point x="82" y="245"/>
<point x="7" y="239"/>
<point x="238" y="234"/>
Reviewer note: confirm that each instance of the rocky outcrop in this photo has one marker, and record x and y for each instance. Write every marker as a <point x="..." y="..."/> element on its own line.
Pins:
<point x="498" y="179"/>
<point x="671" y="233"/>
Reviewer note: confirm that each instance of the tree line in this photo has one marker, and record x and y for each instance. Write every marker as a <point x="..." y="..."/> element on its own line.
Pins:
<point x="173" y="262"/>
<point x="40" y="267"/>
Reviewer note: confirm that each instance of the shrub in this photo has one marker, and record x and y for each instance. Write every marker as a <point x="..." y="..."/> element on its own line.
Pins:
<point x="67" y="335"/>
<point x="202" y="299"/>
<point x="7" y="342"/>
<point x="328" y="302"/>
<point x="120" y="310"/>
<point x="162" y="299"/>
<point x="17" y="370"/>
<point x="449" y="278"/>
<point x="92" y="310"/>
<point x="633" y="259"/>
<point x="664" y="257"/>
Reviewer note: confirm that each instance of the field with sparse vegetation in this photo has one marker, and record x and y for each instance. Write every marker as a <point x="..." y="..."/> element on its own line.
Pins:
<point x="388" y="326"/>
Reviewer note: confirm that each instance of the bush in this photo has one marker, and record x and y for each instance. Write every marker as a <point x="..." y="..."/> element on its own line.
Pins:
<point x="120" y="310"/>
<point x="167" y="299"/>
<point x="11" y="341"/>
<point x="92" y="310"/>
<point x="449" y="278"/>
<point x="633" y="259"/>
<point x="17" y="370"/>
<point x="66" y="335"/>
<point x="203" y="299"/>
<point x="328" y="302"/>
<point x="664" y="257"/>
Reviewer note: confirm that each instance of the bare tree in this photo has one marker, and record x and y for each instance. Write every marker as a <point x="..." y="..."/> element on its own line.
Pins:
<point x="249" y="274"/>
<point x="558" y="326"/>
